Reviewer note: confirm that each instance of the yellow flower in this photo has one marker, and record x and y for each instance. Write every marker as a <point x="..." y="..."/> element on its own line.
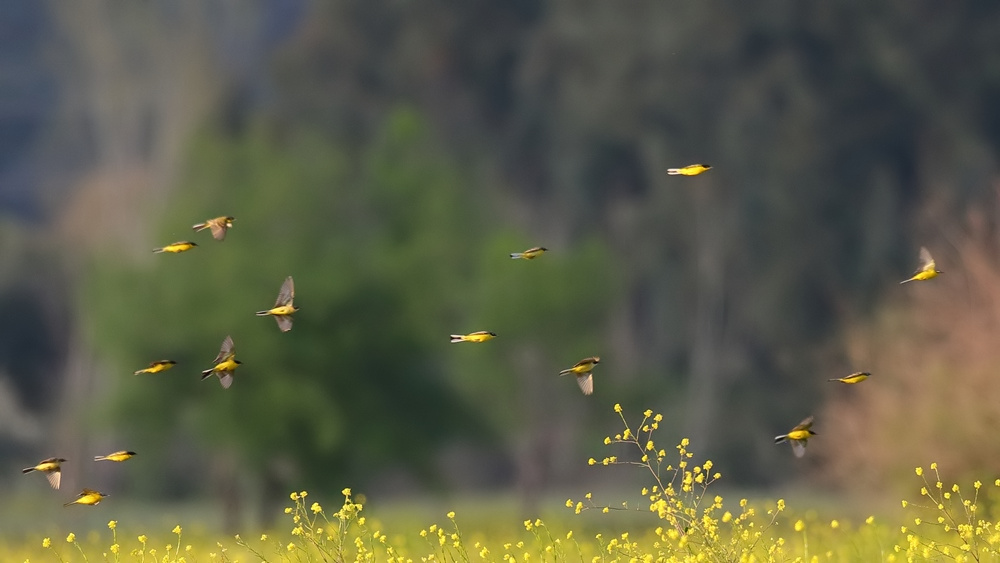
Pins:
<point x="648" y="413"/>
<point x="290" y="546"/>
<point x="591" y="461"/>
<point x="288" y="510"/>
<point x="303" y="494"/>
<point x="346" y="492"/>
<point x="46" y="542"/>
<point x="294" y="496"/>
<point x="569" y="503"/>
<point x="920" y="471"/>
<point x="870" y="520"/>
<point x="263" y="537"/>
<point x="142" y="539"/>
<point x="934" y="466"/>
<point x="177" y="529"/>
<point x="618" y="408"/>
<point x="451" y="515"/>
<point x="800" y="525"/>
<point x="71" y="538"/>
<point x="113" y="524"/>
<point x="834" y="524"/>
<point x="316" y="508"/>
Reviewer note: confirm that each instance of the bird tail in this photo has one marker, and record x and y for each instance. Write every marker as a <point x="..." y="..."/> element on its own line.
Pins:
<point x="781" y="439"/>
<point x="457" y="338"/>
<point x="833" y="379"/>
<point x="206" y="373"/>
<point x="516" y="255"/>
<point x="155" y="251"/>
<point x="904" y="281"/>
<point x="566" y="371"/>
<point x="99" y="458"/>
<point x="200" y="227"/>
<point x="673" y="171"/>
<point x="27" y="470"/>
<point x="69" y="503"/>
<point x="263" y="313"/>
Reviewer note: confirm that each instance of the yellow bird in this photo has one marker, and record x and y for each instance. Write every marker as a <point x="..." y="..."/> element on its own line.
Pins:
<point x="529" y="254"/>
<point x="225" y="364"/>
<point x="89" y="497"/>
<point x="798" y="437"/>
<point x="283" y="306"/>
<point x="856" y="377"/>
<point x="117" y="456"/>
<point x="478" y="336"/>
<point x="51" y="468"/>
<point x="176" y="247"/>
<point x="157" y="366"/>
<point x="582" y="371"/>
<point x="219" y="226"/>
<point x="690" y="170"/>
<point x="927" y="269"/>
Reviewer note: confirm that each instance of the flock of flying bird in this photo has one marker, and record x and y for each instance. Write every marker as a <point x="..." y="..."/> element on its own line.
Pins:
<point x="223" y="366"/>
<point x="225" y="363"/>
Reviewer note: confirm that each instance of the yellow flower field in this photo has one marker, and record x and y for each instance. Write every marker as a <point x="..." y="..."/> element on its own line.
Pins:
<point x="682" y="521"/>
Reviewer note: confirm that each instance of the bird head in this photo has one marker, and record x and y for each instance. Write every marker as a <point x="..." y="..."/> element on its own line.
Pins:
<point x="237" y="362"/>
<point x="229" y="221"/>
<point x="131" y="453"/>
<point x="543" y="249"/>
<point x="60" y="460"/>
<point x="597" y="359"/>
<point x="493" y="334"/>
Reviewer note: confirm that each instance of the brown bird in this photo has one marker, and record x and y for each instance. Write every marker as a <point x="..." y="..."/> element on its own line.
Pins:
<point x="219" y="226"/>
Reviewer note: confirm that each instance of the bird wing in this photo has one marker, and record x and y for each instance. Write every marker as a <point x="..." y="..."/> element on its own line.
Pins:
<point x="926" y="260"/>
<point x="584" y="362"/>
<point x="54" y="477"/>
<point x="89" y="492"/>
<point x="798" y="447"/>
<point x="586" y="383"/>
<point x="218" y="227"/>
<point x="225" y="378"/>
<point x="284" y="322"/>
<point x="287" y="293"/>
<point x="226" y="350"/>
<point x="804" y="425"/>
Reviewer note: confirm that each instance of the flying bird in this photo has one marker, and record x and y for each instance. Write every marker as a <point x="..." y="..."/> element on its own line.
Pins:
<point x="117" y="456"/>
<point x="856" y="377"/>
<point x="690" y="170"/>
<point x="51" y="468"/>
<point x="798" y="437"/>
<point x="927" y="269"/>
<point x="225" y="364"/>
<point x="478" y="336"/>
<point x="176" y="247"/>
<point x="582" y="371"/>
<point x="283" y="306"/>
<point x="88" y="497"/>
<point x="529" y="254"/>
<point x="219" y="226"/>
<point x="157" y="366"/>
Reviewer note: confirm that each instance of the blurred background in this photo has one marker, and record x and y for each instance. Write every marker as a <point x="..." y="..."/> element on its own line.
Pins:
<point x="390" y="156"/>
